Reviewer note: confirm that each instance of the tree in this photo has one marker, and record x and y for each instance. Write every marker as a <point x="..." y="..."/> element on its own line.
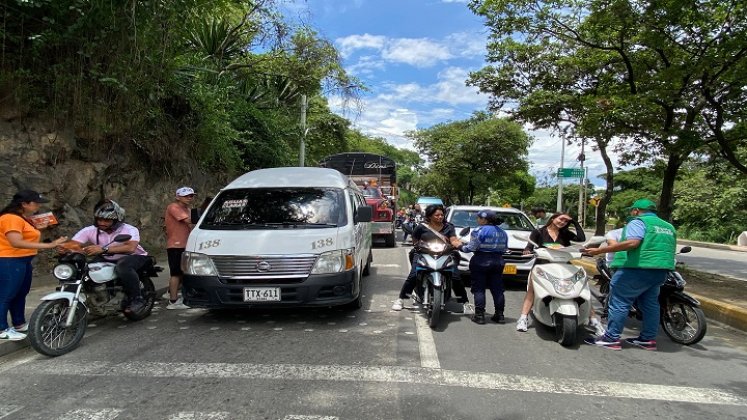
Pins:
<point x="666" y="78"/>
<point x="471" y="156"/>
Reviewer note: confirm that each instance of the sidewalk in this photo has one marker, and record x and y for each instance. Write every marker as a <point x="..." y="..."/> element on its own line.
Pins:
<point x="683" y="242"/>
<point x="45" y="283"/>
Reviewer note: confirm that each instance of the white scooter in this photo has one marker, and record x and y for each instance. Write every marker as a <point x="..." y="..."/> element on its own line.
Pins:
<point x="562" y="298"/>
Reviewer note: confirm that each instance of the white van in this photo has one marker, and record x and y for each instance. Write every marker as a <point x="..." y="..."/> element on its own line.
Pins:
<point x="280" y="237"/>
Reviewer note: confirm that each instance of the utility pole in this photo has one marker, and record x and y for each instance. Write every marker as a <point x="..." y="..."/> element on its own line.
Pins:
<point x="559" y="208"/>
<point x="302" y="152"/>
<point x="582" y="187"/>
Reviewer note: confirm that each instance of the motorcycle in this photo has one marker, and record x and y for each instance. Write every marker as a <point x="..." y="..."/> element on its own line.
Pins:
<point x="434" y="266"/>
<point x="562" y="296"/>
<point x="681" y="317"/>
<point x="58" y="324"/>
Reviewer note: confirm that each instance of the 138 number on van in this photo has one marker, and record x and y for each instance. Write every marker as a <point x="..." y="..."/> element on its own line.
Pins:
<point x="322" y="243"/>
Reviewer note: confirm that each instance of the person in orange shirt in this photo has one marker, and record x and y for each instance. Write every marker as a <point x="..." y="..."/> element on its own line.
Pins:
<point x="19" y="243"/>
<point x="178" y="221"/>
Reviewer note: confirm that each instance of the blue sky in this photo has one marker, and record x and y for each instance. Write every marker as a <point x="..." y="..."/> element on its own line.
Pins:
<point x="414" y="56"/>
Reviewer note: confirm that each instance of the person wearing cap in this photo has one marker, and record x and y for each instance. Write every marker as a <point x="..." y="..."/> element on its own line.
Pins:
<point x="643" y="257"/>
<point x="555" y="233"/>
<point x="489" y="242"/>
<point x="19" y="243"/>
<point x="178" y="224"/>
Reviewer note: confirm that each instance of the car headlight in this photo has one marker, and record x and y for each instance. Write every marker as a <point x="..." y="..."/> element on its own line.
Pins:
<point x="196" y="264"/>
<point x="64" y="272"/>
<point x="334" y="261"/>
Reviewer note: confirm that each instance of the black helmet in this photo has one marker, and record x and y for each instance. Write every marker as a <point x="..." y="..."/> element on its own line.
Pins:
<point x="109" y="210"/>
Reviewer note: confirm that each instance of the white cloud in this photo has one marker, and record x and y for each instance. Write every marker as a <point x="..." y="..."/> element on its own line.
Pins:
<point x="467" y="44"/>
<point x="420" y="52"/>
<point x="352" y="43"/>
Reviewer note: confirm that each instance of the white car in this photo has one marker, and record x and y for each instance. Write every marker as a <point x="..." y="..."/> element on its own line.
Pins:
<point x="513" y="220"/>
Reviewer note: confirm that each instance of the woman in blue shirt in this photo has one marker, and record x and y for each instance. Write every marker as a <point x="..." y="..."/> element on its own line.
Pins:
<point x="489" y="243"/>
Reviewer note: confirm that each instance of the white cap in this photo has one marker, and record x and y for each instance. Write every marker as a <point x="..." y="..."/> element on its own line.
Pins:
<point x="184" y="191"/>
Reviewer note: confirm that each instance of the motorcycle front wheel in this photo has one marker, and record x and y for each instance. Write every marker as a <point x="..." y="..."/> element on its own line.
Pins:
<point x="683" y="323"/>
<point x="565" y="329"/>
<point x="435" y="310"/>
<point x="47" y="332"/>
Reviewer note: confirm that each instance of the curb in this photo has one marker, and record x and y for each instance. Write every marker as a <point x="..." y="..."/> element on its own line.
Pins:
<point x="712" y="245"/>
<point x="716" y="310"/>
<point x="8" y="347"/>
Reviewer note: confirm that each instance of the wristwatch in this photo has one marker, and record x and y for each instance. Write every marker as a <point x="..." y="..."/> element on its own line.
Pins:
<point x="105" y="249"/>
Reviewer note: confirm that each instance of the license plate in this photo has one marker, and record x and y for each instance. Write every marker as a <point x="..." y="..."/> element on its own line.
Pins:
<point x="261" y="294"/>
<point x="509" y="269"/>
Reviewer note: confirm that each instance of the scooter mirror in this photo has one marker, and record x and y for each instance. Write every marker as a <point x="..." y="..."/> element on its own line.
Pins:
<point x="685" y="249"/>
<point x="594" y="242"/>
<point x="464" y="231"/>
<point x="122" y="238"/>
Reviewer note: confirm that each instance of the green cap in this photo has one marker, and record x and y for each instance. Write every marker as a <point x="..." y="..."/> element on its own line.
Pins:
<point x="643" y="204"/>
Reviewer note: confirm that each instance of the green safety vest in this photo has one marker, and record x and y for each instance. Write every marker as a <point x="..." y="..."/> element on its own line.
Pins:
<point x="656" y="250"/>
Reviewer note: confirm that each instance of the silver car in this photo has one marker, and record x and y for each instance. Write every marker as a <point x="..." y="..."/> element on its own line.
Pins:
<point x="518" y="265"/>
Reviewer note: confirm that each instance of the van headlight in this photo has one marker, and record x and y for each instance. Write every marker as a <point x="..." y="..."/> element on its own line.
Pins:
<point x="64" y="272"/>
<point x="334" y="261"/>
<point x="196" y="264"/>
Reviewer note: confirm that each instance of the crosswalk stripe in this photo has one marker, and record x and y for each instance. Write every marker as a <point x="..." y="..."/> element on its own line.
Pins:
<point x="193" y="415"/>
<point x="387" y="374"/>
<point x="88" y="414"/>
<point x="299" y="417"/>
<point x="426" y="343"/>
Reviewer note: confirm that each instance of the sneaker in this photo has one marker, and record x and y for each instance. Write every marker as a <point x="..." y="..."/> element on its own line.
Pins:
<point x="23" y="328"/>
<point x="603" y="341"/>
<point x="137" y="305"/>
<point x="178" y="304"/>
<point x="596" y="324"/>
<point x="522" y="324"/>
<point x="468" y="309"/>
<point x="12" y="335"/>
<point x="498" y="318"/>
<point x="167" y="295"/>
<point x="397" y="306"/>
<point x="478" y="318"/>
<point x="644" y="344"/>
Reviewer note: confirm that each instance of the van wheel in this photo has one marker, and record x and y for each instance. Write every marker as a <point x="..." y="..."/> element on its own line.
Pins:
<point x="367" y="267"/>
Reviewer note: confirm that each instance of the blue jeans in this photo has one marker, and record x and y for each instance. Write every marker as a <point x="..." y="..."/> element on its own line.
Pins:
<point x="486" y="270"/>
<point x="15" y="283"/>
<point x="627" y="286"/>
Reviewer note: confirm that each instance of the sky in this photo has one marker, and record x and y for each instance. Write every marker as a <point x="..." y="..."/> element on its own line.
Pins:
<point x="414" y="57"/>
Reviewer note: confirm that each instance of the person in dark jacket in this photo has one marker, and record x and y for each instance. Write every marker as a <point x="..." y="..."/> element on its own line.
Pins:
<point x="554" y="234"/>
<point x="489" y="243"/>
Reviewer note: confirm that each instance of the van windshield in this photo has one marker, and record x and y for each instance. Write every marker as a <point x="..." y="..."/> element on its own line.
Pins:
<point x="276" y="208"/>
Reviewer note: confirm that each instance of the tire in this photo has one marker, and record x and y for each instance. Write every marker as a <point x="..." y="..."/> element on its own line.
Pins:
<point x="47" y="334"/>
<point x="683" y="323"/>
<point x="148" y="291"/>
<point x="565" y="330"/>
<point x="367" y="268"/>
<point x="435" y="311"/>
<point x="390" y="240"/>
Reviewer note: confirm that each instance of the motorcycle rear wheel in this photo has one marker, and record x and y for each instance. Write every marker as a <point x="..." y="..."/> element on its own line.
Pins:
<point x="683" y="323"/>
<point x="436" y="300"/>
<point x="565" y="330"/>
<point x="47" y="333"/>
<point x="148" y="291"/>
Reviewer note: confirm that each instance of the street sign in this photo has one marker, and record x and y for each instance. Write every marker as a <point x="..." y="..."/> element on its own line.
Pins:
<point x="570" y="172"/>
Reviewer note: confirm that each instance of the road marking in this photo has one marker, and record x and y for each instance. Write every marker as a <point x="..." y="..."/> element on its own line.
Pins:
<point x="85" y="414"/>
<point x="192" y="415"/>
<point x="7" y="410"/>
<point x="298" y="417"/>
<point x="386" y="265"/>
<point x="385" y="374"/>
<point x="426" y="343"/>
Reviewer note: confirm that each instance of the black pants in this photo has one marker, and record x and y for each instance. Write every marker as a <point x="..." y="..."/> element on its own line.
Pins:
<point x="126" y="271"/>
<point x="411" y="281"/>
<point x="486" y="270"/>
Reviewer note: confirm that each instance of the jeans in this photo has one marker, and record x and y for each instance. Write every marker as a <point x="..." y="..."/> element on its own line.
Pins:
<point x="486" y="270"/>
<point x="627" y="286"/>
<point x="15" y="283"/>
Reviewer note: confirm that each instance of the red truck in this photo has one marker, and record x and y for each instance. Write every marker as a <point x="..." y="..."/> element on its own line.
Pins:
<point x="376" y="176"/>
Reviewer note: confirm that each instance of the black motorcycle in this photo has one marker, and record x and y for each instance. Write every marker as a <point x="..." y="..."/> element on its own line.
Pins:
<point x="681" y="317"/>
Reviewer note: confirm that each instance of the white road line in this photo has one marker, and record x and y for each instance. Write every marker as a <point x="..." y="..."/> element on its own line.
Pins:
<point x="386" y="265"/>
<point x="299" y="417"/>
<point x="385" y="374"/>
<point x="426" y="344"/>
<point x="7" y="410"/>
<point x="85" y="414"/>
<point x="193" y="415"/>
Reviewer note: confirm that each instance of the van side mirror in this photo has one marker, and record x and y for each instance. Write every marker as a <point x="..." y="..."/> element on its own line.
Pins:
<point x="194" y="216"/>
<point x="363" y="214"/>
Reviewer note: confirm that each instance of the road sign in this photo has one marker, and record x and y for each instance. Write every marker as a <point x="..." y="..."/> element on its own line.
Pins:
<point x="570" y="172"/>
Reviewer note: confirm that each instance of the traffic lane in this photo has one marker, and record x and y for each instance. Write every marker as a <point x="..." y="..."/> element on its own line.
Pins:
<point x="716" y="362"/>
<point x="167" y="390"/>
<point x="719" y="261"/>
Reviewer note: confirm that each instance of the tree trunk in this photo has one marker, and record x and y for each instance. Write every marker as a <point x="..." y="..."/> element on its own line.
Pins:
<point x="667" y="188"/>
<point x="601" y="215"/>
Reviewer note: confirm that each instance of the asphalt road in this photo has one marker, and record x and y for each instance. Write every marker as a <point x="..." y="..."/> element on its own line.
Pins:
<point x="369" y="364"/>
<point x="725" y="262"/>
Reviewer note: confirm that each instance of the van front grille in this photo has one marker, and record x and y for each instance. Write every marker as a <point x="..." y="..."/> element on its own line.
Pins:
<point x="297" y="267"/>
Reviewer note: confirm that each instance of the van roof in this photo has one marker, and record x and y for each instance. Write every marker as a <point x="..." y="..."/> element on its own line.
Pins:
<point x="290" y="177"/>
